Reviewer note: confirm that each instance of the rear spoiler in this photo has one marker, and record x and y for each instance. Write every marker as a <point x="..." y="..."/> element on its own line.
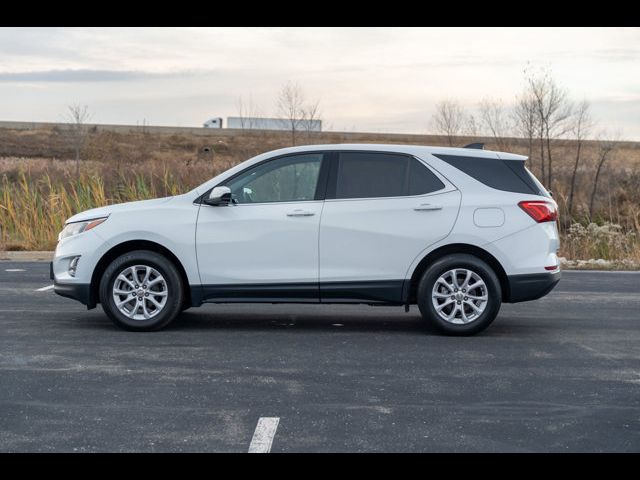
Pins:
<point x="475" y="146"/>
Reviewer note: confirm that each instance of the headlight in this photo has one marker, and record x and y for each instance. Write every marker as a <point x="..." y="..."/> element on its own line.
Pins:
<point x="75" y="228"/>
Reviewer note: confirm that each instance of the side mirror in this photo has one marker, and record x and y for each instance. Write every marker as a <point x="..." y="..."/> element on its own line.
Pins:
<point x="219" y="196"/>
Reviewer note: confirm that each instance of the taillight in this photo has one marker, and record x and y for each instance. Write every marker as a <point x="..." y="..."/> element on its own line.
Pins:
<point x="539" y="210"/>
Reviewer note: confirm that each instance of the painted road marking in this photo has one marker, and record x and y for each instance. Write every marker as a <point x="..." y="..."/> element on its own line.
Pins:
<point x="44" y="289"/>
<point x="14" y="270"/>
<point x="263" y="436"/>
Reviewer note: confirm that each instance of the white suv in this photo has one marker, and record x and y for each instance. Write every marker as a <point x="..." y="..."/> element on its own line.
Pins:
<point x="456" y="231"/>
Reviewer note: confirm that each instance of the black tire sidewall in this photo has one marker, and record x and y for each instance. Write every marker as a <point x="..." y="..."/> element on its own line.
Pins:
<point x="174" y="284"/>
<point x="449" y="262"/>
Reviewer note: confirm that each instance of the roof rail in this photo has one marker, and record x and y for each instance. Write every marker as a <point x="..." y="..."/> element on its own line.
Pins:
<point x="476" y="146"/>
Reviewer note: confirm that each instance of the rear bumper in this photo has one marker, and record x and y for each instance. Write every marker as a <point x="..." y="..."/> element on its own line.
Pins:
<point x="527" y="287"/>
<point x="78" y="291"/>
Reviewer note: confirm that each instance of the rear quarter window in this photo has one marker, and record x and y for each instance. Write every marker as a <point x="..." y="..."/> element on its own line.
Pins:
<point x="505" y="175"/>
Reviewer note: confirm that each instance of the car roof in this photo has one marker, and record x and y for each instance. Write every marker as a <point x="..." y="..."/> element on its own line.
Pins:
<point x="409" y="149"/>
<point x="420" y="151"/>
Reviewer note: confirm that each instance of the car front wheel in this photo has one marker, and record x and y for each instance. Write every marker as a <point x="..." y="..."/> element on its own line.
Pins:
<point x="459" y="295"/>
<point x="141" y="291"/>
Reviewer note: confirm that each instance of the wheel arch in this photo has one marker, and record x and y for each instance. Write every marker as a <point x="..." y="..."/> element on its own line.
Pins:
<point x="130" y="246"/>
<point x="411" y="286"/>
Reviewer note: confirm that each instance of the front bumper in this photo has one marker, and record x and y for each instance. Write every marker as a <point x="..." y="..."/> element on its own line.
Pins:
<point x="89" y="248"/>
<point x="78" y="291"/>
<point x="523" y="288"/>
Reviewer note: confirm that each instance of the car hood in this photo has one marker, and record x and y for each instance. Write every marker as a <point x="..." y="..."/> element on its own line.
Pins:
<point x="109" y="209"/>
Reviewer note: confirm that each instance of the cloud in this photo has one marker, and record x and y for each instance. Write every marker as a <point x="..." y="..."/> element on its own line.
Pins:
<point x="369" y="78"/>
<point x="87" y="75"/>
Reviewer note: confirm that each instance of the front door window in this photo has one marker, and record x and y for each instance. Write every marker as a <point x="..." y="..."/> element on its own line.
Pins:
<point x="293" y="178"/>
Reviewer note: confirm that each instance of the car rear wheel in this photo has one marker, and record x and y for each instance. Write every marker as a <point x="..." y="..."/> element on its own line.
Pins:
<point x="141" y="291"/>
<point x="459" y="295"/>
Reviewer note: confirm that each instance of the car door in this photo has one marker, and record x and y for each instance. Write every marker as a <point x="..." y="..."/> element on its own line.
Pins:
<point x="264" y="246"/>
<point x="382" y="210"/>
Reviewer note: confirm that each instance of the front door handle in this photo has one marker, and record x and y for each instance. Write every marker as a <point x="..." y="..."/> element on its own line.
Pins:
<point x="300" y="213"/>
<point x="427" y="207"/>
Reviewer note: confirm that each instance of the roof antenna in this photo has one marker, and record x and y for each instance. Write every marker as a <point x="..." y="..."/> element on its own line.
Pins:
<point x="476" y="146"/>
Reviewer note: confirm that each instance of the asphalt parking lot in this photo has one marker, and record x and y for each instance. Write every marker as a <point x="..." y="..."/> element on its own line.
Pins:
<point x="558" y="374"/>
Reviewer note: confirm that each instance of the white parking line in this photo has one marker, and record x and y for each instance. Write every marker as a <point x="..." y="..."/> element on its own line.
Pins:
<point x="263" y="436"/>
<point x="14" y="270"/>
<point x="44" y="289"/>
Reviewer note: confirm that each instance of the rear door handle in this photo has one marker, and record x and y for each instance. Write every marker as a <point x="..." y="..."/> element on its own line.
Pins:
<point x="427" y="207"/>
<point x="300" y="213"/>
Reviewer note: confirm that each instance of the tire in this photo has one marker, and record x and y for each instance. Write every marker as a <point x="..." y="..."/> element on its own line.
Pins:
<point x="141" y="313"/>
<point x="466" y="320"/>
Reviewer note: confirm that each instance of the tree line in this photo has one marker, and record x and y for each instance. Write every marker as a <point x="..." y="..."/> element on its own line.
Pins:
<point x="541" y="113"/>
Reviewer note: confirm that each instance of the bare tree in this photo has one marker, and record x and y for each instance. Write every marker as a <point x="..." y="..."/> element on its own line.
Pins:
<point x="471" y="127"/>
<point x="606" y="147"/>
<point x="553" y="109"/>
<point x="247" y="111"/>
<point x="291" y="108"/>
<point x="526" y="121"/>
<point x="495" y="121"/>
<point x="78" y="116"/>
<point x="449" y="119"/>
<point x="311" y="116"/>
<point x="582" y="124"/>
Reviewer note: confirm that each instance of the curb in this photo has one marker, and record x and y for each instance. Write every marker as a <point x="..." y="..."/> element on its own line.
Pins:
<point x="23" y="256"/>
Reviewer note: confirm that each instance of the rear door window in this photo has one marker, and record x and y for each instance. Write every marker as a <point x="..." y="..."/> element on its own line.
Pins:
<point x="376" y="175"/>
<point x="369" y="175"/>
<point x="421" y="179"/>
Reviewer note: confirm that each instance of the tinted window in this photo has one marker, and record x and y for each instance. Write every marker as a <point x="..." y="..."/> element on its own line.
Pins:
<point x="366" y="175"/>
<point x="371" y="175"/>
<point x="422" y="180"/>
<point x="539" y="186"/>
<point x="507" y="175"/>
<point x="286" y="179"/>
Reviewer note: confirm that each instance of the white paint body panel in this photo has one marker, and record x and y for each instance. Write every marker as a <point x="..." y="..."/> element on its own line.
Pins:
<point x="170" y="222"/>
<point x="258" y="243"/>
<point x="488" y="217"/>
<point x="345" y="240"/>
<point x="376" y="239"/>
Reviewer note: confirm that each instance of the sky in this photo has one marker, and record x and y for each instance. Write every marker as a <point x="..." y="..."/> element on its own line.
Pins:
<point x="365" y="79"/>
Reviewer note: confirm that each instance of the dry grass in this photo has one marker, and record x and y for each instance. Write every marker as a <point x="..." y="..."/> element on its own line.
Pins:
<point x="607" y="241"/>
<point x="38" y="188"/>
<point x="37" y="196"/>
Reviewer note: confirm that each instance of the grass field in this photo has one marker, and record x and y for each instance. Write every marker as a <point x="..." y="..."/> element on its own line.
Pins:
<point x="39" y="188"/>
